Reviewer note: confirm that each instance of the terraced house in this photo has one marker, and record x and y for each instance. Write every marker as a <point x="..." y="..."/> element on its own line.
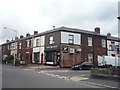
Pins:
<point x="63" y="46"/>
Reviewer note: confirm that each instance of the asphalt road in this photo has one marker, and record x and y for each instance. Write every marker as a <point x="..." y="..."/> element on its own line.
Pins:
<point x="16" y="77"/>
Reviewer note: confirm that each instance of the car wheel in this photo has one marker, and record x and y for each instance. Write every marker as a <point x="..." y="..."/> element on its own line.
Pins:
<point x="80" y="68"/>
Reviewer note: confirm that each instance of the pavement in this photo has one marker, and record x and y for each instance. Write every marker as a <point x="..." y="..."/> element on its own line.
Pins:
<point x="78" y="78"/>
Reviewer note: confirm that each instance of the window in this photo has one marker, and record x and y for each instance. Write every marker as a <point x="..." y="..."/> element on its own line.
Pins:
<point x="89" y="41"/>
<point x="31" y="43"/>
<point x="20" y="45"/>
<point x="16" y="45"/>
<point x="103" y="43"/>
<point x="90" y="57"/>
<point x="19" y="56"/>
<point x="28" y="43"/>
<point x="113" y="46"/>
<point x="37" y="42"/>
<point x="51" y="40"/>
<point x="71" y="39"/>
<point x="8" y="47"/>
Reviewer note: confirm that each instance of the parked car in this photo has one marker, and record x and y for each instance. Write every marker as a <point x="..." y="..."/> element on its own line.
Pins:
<point x="84" y="65"/>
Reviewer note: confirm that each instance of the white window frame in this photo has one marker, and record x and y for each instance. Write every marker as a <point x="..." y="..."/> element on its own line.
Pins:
<point x="28" y="43"/>
<point x="37" y="42"/>
<point x="20" y="45"/>
<point x="51" y="40"/>
<point x="103" y="43"/>
<point x="89" y="41"/>
<point x="90" y="57"/>
<point x="71" y="39"/>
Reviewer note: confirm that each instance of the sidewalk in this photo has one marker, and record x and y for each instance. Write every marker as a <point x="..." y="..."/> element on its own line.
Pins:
<point x="97" y="82"/>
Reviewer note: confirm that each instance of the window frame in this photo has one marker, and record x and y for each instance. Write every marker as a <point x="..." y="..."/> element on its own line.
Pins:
<point x="20" y="45"/>
<point x="51" y="40"/>
<point x="90" y="59"/>
<point x="71" y="39"/>
<point x="37" y="42"/>
<point x="90" y="41"/>
<point x="103" y="43"/>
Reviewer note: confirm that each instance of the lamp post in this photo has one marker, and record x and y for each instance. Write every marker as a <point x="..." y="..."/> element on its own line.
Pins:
<point x="15" y="41"/>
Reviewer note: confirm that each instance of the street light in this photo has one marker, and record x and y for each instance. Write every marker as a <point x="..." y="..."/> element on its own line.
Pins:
<point x="15" y="40"/>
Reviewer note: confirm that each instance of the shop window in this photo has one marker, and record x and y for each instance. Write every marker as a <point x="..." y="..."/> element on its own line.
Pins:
<point x="89" y="41"/>
<point x="49" y="57"/>
<point x="36" y="57"/>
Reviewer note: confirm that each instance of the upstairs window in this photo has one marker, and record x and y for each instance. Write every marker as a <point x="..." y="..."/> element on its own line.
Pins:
<point x="31" y="43"/>
<point x="28" y="43"/>
<point x="89" y="41"/>
<point x="51" y="40"/>
<point x="71" y="39"/>
<point x="103" y="43"/>
<point x="37" y="42"/>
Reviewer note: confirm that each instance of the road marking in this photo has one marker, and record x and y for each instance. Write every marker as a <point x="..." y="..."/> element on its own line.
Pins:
<point x="28" y="69"/>
<point x="77" y="78"/>
<point x="54" y="75"/>
<point x="99" y="84"/>
<point x="56" y="71"/>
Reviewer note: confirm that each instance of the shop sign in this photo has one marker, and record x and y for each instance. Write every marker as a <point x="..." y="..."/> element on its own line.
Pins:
<point x="65" y="49"/>
<point x="51" y="47"/>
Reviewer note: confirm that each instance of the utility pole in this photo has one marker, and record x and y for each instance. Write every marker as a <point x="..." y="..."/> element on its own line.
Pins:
<point x="15" y="42"/>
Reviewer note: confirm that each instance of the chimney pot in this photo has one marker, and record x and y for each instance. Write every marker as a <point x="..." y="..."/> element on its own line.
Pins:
<point x="35" y="32"/>
<point x="97" y="30"/>
<point x="16" y="38"/>
<point x="53" y="27"/>
<point x="27" y="34"/>
<point x="108" y="34"/>
<point x="21" y="36"/>
<point x="7" y="40"/>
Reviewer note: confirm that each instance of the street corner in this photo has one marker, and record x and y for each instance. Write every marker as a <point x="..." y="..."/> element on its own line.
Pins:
<point x="79" y="78"/>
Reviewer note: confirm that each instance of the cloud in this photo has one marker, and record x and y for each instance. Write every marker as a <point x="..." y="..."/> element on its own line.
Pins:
<point x="25" y="16"/>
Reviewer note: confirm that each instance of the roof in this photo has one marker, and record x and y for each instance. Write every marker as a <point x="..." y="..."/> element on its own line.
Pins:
<point x="75" y="30"/>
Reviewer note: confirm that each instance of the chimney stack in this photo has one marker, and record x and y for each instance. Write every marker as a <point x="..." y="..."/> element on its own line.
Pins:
<point x="97" y="30"/>
<point x="27" y="34"/>
<point x="7" y="40"/>
<point x="16" y="38"/>
<point x="53" y="27"/>
<point x="109" y="34"/>
<point x="21" y="36"/>
<point x="35" y="32"/>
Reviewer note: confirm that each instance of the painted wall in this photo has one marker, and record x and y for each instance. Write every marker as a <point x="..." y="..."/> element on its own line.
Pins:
<point x="39" y="48"/>
<point x="65" y="37"/>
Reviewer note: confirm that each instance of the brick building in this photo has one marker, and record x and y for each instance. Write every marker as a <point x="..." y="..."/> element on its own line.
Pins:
<point x="60" y="46"/>
<point x="69" y="46"/>
<point x="25" y="49"/>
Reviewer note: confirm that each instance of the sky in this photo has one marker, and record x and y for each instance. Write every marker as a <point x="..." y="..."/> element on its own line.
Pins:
<point x="27" y="16"/>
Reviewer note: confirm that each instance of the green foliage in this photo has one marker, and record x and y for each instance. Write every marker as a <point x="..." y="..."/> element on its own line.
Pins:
<point x="10" y="57"/>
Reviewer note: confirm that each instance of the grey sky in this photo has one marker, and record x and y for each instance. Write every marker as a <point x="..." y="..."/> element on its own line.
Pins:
<point x="26" y="16"/>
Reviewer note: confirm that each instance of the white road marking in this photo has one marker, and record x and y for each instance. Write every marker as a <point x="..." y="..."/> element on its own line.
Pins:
<point x="100" y="84"/>
<point x="54" y="75"/>
<point x="28" y="69"/>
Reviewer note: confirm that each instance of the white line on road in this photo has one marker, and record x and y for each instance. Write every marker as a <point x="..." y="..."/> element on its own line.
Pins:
<point x="99" y="84"/>
<point x="54" y="75"/>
